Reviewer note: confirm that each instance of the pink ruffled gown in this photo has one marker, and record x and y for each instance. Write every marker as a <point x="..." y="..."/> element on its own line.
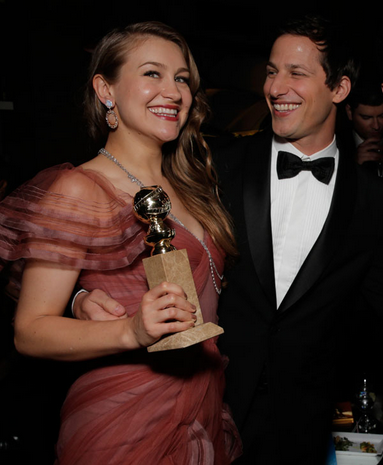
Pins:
<point x="138" y="407"/>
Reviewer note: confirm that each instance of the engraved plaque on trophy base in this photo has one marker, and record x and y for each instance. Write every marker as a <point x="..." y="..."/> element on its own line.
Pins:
<point x="174" y="267"/>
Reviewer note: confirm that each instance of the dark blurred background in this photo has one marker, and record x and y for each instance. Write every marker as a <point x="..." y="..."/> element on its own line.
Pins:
<point x="44" y="50"/>
<point x="44" y="54"/>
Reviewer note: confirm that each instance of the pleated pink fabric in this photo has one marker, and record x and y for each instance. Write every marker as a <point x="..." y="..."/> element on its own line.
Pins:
<point x="135" y="408"/>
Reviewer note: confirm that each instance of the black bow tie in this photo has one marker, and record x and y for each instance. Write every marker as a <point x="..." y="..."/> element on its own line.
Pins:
<point x="289" y="165"/>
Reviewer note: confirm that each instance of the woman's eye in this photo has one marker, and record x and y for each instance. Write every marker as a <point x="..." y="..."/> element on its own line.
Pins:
<point x="182" y="79"/>
<point x="154" y="74"/>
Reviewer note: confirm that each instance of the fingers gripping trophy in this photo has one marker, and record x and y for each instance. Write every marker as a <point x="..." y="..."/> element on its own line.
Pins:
<point x="152" y="205"/>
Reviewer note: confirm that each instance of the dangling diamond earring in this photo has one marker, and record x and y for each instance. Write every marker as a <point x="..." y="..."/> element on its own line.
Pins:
<point x="111" y="117"/>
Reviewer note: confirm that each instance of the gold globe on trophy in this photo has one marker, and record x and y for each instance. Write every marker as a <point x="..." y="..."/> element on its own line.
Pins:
<point x="152" y="205"/>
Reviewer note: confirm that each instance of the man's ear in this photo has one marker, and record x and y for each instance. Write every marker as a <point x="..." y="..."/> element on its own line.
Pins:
<point x="342" y="89"/>
<point x="348" y="111"/>
<point x="102" y="88"/>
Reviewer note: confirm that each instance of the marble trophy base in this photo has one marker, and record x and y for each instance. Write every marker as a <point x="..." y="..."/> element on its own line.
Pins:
<point x="174" y="267"/>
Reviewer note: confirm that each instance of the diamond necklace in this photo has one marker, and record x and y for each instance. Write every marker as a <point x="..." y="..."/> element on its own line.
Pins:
<point x="135" y="180"/>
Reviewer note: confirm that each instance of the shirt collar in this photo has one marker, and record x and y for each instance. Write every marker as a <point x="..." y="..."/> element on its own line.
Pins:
<point x="358" y="140"/>
<point x="329" y="151"/>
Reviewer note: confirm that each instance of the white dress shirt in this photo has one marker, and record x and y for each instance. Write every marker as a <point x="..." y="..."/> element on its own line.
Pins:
<point x="357" y="139"/>
<point x="299" y="208"/>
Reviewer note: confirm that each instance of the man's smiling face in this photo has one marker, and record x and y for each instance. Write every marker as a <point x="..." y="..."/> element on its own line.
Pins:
<point x="301" y="104"/>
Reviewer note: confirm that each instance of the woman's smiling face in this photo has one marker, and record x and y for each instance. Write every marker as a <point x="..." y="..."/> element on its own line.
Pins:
<point x="152" y="95"/>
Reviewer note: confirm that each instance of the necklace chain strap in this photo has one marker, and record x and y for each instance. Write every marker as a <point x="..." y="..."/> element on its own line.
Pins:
<point x="114" y="159"/>
<point x="135" y="180"/>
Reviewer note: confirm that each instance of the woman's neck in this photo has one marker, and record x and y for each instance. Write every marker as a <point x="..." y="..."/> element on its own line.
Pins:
<point x="141" y="158"/>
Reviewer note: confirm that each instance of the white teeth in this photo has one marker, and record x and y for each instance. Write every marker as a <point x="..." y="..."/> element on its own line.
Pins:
<point x="164" y="111"/>
<point x="285" y="107"/>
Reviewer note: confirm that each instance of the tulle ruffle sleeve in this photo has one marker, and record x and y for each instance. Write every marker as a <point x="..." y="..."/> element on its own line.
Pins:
<point x="71" y="216"/>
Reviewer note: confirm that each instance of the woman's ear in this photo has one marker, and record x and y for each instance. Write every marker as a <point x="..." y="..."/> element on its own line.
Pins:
<point x="101" y="87"/>
<point x="342" y="89"/>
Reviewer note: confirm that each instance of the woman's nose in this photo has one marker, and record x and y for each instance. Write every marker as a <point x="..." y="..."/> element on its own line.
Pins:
<point x="170" y="90"/>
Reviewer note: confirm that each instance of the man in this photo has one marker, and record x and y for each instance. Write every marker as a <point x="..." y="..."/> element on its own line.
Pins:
<point x="305" y="245"/>
<point x="364" y="110"/>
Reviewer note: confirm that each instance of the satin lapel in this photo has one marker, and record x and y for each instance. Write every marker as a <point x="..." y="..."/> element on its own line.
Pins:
<point x="334" y="230"/>
<point x="256" y="198"/>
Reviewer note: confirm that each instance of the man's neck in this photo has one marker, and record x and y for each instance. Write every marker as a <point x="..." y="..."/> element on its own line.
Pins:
<point x="297" y="148"/>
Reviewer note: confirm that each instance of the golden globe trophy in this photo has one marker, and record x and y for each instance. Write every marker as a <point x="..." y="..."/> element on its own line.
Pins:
<point x="152" y="205"/>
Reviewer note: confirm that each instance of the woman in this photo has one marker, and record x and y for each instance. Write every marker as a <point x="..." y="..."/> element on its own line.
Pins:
<point x="76" y="225"/>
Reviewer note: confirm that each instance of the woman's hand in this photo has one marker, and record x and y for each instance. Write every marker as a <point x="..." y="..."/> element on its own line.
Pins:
<point x="163" y="310"/>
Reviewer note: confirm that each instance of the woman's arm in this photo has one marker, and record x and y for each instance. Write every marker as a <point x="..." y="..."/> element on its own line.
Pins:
<point x="42" y="331"/>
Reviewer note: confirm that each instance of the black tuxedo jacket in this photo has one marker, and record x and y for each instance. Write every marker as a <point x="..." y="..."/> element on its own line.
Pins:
<point x="296" y="347"/>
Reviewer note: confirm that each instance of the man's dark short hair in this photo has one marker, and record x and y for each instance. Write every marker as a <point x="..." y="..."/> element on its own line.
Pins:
<point x="337" y="58"/>
<point x="370" y="95"/>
